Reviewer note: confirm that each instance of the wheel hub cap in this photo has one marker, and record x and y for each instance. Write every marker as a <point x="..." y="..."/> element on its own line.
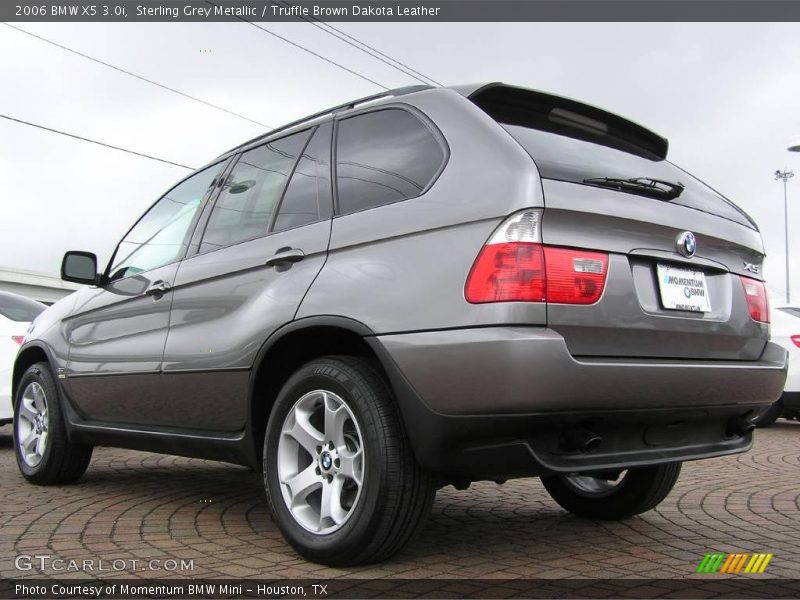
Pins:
<point x="325" y="461"/>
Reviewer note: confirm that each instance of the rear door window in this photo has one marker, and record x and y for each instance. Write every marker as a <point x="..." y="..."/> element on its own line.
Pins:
<point x="308" y="197"/>
<point x="382" y="157"/>
<point x="247" y="202"/>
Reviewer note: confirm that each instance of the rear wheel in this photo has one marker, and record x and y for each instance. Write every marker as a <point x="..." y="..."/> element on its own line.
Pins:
<point x="342" y="483"/>
<point x="45" y="455"/>
<point x="772" y="415"/>
<point x="614" y="496"/>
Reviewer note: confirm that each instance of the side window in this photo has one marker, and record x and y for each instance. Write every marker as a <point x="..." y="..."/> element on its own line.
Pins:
<point x="308" y="197"/>
<point x="382" y="157"/>
<point x="245" y="206"/>
<point x="162" y="234"/>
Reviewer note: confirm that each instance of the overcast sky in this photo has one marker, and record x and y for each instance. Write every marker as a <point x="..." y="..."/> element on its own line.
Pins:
<point x="726" y="95"/>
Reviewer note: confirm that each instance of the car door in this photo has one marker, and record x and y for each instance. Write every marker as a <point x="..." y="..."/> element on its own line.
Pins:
<point x="117" y="332"/>
<point x="264" y="242"/>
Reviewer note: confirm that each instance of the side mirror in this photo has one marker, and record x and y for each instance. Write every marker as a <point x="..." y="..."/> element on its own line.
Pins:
<point x="79" y="267"/>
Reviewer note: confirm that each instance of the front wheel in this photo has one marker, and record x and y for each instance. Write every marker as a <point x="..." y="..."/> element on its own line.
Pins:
<point x="613" y="496"/>
<point x="342" y="483"/>
<point x="45" y="455"/>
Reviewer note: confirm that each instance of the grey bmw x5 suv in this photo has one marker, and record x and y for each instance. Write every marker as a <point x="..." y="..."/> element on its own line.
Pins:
<point x="427" y="287"/>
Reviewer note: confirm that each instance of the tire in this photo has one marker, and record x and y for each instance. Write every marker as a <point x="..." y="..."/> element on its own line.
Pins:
<point x="56" y="461"/>
<point x="772" y="415"/>
<point x="637" y="491"/>
<point x="374" y="517"/>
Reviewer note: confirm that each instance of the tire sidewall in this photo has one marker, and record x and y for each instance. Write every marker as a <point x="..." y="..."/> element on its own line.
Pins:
<point x="331" y="378"/>
<point x="40" y="374"/>
<point x="642" y="489"/>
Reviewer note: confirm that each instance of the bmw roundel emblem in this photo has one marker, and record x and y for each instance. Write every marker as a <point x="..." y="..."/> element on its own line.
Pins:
<point x="687" y="244"/>
<point x="327" y="462"/>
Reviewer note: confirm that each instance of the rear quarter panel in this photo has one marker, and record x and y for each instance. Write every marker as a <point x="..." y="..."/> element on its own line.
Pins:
<point x="403" y="266"/>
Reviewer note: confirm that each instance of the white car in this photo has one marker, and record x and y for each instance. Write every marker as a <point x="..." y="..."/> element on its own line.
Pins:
<point x="786" y="332"/>
<point x="16" y="314"/>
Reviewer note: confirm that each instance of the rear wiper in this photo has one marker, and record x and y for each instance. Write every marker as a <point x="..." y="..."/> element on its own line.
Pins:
<point x="644" y="186"/>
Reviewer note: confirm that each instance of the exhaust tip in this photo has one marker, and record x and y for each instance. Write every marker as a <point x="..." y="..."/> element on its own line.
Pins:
<point x="740" y="426"/>
<point x="580" y="440"/>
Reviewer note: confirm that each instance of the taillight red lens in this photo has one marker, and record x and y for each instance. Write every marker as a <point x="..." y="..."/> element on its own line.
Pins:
<point x="575" y="276"/>
<point x="756" y="295"/>
<point x="530" y="272"/>
<point x="510" y="272"/>
<point x="796" y="340"/>
<point x="20" y="339"/>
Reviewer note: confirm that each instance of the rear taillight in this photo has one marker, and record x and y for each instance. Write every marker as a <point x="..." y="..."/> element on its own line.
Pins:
<point x="19" y="339"/>
<point x="795" y="340"/>
<point x="514" y="266"/>
<point x="575" y="276"/>
<point x="509" y="272"/>
<point x="756" y="295"/>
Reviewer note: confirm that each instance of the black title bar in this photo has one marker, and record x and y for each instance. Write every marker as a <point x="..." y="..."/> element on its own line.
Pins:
<point x="402" y="10"/>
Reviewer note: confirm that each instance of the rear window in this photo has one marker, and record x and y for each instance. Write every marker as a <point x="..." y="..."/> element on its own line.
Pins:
<point x="18" y="308"/>
<point x="567" y="159"/>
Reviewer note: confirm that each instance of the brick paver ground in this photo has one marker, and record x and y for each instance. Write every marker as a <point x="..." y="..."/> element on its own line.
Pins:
<point x="138" y="506"/>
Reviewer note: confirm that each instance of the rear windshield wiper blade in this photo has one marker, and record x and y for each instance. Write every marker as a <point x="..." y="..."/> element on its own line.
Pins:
<point x="645" y="186"/>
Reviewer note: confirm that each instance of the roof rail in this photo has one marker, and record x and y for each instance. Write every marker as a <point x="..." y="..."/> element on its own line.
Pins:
<point x="401" y="91"/>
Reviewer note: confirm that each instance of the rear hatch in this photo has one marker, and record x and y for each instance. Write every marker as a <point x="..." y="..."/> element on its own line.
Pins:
<point x="608" y="187"/>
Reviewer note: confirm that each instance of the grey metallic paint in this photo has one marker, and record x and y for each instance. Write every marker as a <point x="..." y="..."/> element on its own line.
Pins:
<point x="176" y="374"/>
<point x="519" y="370"/>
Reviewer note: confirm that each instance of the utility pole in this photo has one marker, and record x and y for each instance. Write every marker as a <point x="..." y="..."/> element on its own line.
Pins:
<point x="785" y="176"/>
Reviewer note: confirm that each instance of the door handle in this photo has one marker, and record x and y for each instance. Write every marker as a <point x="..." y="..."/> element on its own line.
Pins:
<point x="285" y="257"/>
<point x="158" y="289"/>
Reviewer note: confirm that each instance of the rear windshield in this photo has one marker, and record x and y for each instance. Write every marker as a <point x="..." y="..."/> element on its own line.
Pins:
<point x="568" y="159"/>
<point x="18" y="308"/>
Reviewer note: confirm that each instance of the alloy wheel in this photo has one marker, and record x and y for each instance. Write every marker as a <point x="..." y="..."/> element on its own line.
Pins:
<point x="32" y="424"/>
<point x="594" y="486"/>
<point x="321" y="462"/>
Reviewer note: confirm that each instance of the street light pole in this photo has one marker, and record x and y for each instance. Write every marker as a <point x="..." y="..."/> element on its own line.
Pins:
<point x="785" y="176"/>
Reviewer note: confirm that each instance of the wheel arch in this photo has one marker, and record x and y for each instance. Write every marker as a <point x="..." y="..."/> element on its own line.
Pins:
<point x="292" y="346"/>
<point x="29" y="355"/>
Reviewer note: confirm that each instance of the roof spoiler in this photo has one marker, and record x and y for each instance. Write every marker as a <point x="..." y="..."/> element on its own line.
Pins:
<point x="538" y="110"/>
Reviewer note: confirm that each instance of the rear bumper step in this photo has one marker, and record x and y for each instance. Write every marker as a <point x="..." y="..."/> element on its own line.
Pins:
<point x="620" y="441"/>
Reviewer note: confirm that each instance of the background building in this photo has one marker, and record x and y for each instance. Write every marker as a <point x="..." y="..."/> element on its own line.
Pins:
<point x="36" y="286"/>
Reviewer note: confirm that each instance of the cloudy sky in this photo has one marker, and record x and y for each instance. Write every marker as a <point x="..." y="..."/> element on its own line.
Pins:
<point x="726" y="95"/>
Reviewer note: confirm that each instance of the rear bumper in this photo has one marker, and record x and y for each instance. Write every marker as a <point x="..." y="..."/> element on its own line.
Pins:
<point x="491" y="403"/>
<point x="506" y="370"/>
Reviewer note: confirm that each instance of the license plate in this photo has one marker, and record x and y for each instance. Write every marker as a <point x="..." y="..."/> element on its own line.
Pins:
<point x="683" y="289"/>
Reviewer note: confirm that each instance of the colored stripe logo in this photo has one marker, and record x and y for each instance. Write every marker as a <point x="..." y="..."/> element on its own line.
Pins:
<point x="719" y="562"/>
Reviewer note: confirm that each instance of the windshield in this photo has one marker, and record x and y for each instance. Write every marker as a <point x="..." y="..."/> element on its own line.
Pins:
<point x="568" y="159"/>
<point x="19" y="308"/>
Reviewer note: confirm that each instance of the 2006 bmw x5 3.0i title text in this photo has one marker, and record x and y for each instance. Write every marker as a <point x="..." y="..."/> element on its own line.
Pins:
<point x="430" y="286"/>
